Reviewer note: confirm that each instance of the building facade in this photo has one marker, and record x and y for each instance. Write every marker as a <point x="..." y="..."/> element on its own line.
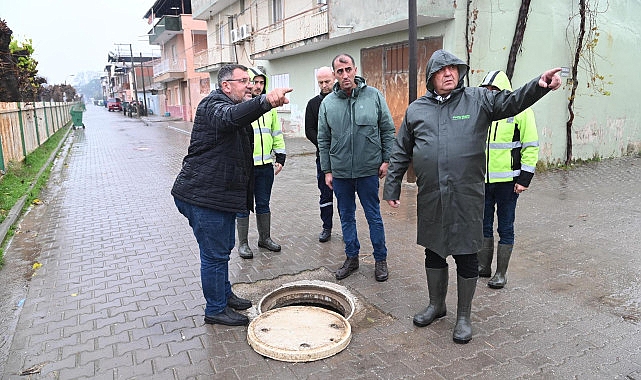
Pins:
<point x="290" y="39"/>
<point x="180" y="87"/>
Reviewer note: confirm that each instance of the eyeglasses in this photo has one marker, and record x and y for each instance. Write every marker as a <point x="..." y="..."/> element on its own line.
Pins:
<point x="243" y="80"/>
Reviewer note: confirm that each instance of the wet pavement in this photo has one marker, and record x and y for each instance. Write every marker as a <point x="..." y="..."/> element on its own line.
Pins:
<point x="118" y="294"/>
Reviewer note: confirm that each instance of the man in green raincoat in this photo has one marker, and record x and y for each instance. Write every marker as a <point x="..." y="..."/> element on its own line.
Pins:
<point x="443" y="134"/>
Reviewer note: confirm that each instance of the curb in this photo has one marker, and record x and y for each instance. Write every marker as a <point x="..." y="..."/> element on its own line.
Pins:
<point x="15" y="212"/>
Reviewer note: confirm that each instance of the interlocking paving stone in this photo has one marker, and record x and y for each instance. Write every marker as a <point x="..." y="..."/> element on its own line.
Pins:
<point x="118" y="294"/>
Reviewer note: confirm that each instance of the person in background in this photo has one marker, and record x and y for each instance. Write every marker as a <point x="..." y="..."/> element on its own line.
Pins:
<point x="325" y="79"/>
<point x="355" y="137"/>
<point x="511" y="153"/>
<point x="215" y="183"/>
<point x="268" y="139"/>
<point x="443" y="134"/>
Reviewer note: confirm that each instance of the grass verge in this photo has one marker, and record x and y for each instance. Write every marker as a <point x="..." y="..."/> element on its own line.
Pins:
<point x="20" y="176"/>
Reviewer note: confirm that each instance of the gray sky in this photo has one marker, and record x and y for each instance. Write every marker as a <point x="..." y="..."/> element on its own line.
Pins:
<point x="72" y="36"/>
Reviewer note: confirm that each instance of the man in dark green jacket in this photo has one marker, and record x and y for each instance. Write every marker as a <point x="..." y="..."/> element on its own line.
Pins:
<point x="443" y="134"/>
<point x="355" y="137"/>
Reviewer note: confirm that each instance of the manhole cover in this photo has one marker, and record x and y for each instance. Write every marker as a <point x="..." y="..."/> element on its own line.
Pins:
<point x="299" y="333"/>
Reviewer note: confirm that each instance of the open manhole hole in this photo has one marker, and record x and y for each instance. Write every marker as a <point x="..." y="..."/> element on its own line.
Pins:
<point x="303" y="321"/>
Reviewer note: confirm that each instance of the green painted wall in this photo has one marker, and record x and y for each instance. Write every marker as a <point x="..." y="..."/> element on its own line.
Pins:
<point x="604" y="125"/>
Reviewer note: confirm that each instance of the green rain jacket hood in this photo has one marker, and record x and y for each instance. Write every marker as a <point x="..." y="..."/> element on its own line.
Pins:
<point x="440" y="59"/>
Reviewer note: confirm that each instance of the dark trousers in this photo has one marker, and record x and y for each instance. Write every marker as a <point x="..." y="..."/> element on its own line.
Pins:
<point x="501" y="195"/>
<point x="367" y="190"/>
<point x="263" y="182"/>
<point x="466" y="265"/>
<point x="214" y="232"/>
<point x="326" y="201"/>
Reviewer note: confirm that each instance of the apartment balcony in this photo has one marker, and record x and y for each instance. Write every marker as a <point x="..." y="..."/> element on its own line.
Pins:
<point x="202" y="9"/>
<point x="214" y="58"/>
<point x="168" y="70"/>
<point x="291" y="32"/>
<point x="165" y="29"/>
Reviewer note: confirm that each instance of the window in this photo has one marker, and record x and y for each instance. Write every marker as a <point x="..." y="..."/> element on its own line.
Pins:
<point x="222" y="38"/>
<point x="276" y="11"/>
<point x="204" y="86"/>
<point x="280" y="81"/>
<point x="396" y="59"/>
<point x="174" y="54"/>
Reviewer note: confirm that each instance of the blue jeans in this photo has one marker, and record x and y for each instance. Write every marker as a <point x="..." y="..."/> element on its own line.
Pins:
<point x="326" y="201"/>
<point x="503" y="196"/>
<point x="214" y="232"/>
<point x="367" y="190"/>
<point x="263" y="182"/>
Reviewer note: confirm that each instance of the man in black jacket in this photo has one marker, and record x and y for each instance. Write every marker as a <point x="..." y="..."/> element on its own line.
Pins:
<point x="325" y="79"/>
<point x="215" y="183"/>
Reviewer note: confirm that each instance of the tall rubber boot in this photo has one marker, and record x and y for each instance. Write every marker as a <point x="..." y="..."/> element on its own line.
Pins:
<point x="242" y="226"/>
<point x="264" y="239"/>
<point x="503" y="254"/>
<point x="485" y="257"/>
<point x="463" y="328"/>
<point x="437" y="279"/>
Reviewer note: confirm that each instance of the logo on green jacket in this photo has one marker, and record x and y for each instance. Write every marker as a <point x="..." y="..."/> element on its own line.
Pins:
<point x="460" y="117"/>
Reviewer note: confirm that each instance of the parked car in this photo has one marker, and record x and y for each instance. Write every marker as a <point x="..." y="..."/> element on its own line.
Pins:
<point x="114" y="104"/>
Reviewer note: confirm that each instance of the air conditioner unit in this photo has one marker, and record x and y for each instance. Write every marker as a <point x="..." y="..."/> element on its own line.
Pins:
<point x="234" y="35"/>
<point x="244" y="32"/>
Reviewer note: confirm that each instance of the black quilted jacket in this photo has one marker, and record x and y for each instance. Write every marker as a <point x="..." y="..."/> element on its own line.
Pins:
<point x="217" y="171"/>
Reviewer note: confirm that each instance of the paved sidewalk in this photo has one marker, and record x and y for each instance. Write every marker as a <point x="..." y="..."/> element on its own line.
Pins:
<point x="118" y="294"/>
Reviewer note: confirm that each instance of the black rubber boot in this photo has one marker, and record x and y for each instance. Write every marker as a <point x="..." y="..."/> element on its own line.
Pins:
<point x="503" y="254"/>
<point x="437" y="288"/>
<point x="463" y="328"/>
<point x="263" y="221"/>
<point x="242" y="226"/>
<point x="485" y="257"/>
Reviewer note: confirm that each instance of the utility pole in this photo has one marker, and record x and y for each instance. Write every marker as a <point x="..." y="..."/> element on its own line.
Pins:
<point x="131" y="60"/>
<point x="144" y="96"/>
<point x="413" y="68"/>
<point x="412" y="15"/>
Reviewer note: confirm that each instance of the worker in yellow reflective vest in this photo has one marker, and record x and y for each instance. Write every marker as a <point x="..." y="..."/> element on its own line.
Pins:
<point x="511" y="154"/>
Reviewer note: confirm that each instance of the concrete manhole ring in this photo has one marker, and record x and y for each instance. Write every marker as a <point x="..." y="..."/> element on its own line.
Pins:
<point x="303" y="321"/>
<point x="311" y="292"/>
